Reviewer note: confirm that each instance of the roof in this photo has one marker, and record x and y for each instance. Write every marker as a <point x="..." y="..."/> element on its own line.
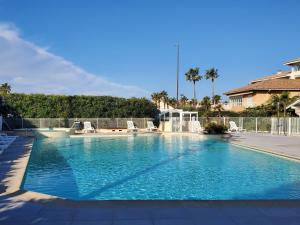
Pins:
<point x="292" y="62"/>
<point x="267" y="85"/>
<point x="278" y="75"/>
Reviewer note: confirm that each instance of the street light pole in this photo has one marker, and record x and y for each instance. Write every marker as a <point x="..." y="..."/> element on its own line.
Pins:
<point x="177" y="75"/>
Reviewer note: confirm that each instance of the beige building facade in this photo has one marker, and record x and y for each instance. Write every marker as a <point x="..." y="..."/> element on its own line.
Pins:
<point x="259" y="91"/>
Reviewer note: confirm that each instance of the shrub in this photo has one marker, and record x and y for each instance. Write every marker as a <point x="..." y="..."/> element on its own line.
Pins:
<point x="63" y="106"/>
<point x="214" y="128"/>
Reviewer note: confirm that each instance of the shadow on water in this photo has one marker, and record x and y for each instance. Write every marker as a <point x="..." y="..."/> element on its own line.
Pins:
<point x="187" y="152"/>
<point x="44" y="167"/>
<point x="282" y="192"/>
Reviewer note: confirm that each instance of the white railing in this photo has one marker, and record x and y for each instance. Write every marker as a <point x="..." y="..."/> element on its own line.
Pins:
<point x="98" y="123"/>
<point x="273" y="125"/>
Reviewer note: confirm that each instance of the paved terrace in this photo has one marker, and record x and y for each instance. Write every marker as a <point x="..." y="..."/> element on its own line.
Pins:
<point x="281" y="145"/>
<point x="19" y="207"/>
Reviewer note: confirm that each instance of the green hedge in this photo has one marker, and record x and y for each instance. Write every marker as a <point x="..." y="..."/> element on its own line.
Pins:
<point x="62" y="106"/>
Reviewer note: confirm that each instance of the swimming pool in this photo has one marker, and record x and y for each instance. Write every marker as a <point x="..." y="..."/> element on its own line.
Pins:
<point x="164" y="167"/>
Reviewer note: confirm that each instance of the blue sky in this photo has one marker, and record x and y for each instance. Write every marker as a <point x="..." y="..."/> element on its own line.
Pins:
<point x="128" y="46"/>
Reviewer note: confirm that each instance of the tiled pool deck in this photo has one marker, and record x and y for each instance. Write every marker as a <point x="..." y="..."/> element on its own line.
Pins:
<point x="23" y="208"/>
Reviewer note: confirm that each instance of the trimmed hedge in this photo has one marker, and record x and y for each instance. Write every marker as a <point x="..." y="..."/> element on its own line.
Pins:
<point x="62" y="106"/>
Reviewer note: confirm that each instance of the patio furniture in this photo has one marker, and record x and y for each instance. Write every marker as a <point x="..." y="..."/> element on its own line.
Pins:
<point x="87" y="127"/>
<point x="131" y="127"/>
<point x="196" y="127"/>
<point x="151" y="126"/>
<point x="234" y="128"/>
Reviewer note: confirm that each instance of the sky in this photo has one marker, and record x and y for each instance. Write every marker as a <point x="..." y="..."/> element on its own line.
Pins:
<point x="126" y="47"/>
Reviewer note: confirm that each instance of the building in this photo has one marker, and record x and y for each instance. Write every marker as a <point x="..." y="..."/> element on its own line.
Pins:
<point x="295" y="106"/>
<point x="258" y="91"/>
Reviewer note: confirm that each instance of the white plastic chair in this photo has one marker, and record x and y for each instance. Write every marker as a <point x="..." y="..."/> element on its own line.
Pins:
<point x="234" y="128"/>
<point x="131" y="126"/>
<point x="87" y="127"/>
<point x="151" y="126"/>
<point x="196" y="126"/>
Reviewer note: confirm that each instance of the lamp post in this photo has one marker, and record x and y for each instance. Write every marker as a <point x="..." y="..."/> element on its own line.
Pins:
<point x="177" y="75"/>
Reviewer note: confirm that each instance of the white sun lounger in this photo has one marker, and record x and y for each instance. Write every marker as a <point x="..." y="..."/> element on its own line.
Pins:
<point x="151" y="126"/>
<point x="131" y="126"/>
<point x="87" y="127"/>
<point x="234" y="128"/>
<point x="196" y="126"/>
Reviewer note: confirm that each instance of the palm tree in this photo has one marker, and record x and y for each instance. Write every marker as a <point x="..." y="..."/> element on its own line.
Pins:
<point x="172" y="102"/>
<point x="212" y="74"/>
<point x="282" y="101"/>
<point x="217" y="99"/>
<point x="5" y="89"/>
<point x="164" y="97"/>
<point x="156" y="98"/>
<point x="193" y="75"/>
<point x="183" y="100"/>
<point x="206" y="103"/>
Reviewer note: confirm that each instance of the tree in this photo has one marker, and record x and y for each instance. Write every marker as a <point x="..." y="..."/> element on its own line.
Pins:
<point x="193" y="76"/>
<point x="194" y="102"/>
<point x="206" y="103"/>
<point x="212" y="74"/>
<point x="219" y="109"/>
<point x="5" y="89"/>
<point x="156" y="98"/>
<point x="183" y="100"/>
<point x="217" y="99"/>
<point x="281" y="101"/>
<point x="172" y="102"/>
<point x="217" y="104"/>
<point x="164" y="97"/>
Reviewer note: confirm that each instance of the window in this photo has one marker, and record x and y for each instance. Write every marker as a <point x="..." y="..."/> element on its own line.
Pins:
<point x="236" y="101"/>
<point x="249" y="101"/>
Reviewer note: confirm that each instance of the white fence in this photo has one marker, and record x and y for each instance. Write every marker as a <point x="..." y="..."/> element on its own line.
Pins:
<point x="272" y="125"/>
<point x="98" y="123"/>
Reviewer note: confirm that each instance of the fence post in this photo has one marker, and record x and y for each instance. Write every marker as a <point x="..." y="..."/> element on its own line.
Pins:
<point x="58" y="122"/>
<point x="22" y="123"/>
<point x="290" y="126"/>
<point x="97" y="123"/>
<point x="224" y="121"/>
<point x="144" y="122"/>
<point x="117" y="119"/>
<point x="40" y="123"/>
<point x="255" y="124"/>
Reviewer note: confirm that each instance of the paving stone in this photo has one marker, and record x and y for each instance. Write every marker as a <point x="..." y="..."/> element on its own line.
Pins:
<point x="92" y="223"/>
<point x="90" y="214"/>
<point x="132" y="213"/>
<point x="174" y="222"/>
<point x="214" y="220"/>
<point x="169" y="213"/>
<point x="132" y="222"/>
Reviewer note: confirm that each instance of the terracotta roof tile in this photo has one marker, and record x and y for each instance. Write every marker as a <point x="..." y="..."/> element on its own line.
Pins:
<point x="275" y="84"/>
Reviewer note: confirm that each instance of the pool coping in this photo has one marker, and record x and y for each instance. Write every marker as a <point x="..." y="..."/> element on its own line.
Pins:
<point x="266" y="151"/>
<point x="18" y="171"/>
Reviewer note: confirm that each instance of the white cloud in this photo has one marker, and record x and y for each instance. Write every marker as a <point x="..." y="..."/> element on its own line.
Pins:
<point x="29" y="68"/>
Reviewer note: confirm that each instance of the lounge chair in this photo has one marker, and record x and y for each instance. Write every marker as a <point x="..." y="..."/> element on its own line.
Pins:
<point x="150" y="126"/>
<point x="87" y="127"/>
<point x="131" y="127"/>
<point x="234" y="128"/>
<point x="196" y="126"/>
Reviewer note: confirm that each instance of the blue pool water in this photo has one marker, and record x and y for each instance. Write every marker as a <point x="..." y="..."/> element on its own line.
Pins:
<point x="158" y="167"/>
